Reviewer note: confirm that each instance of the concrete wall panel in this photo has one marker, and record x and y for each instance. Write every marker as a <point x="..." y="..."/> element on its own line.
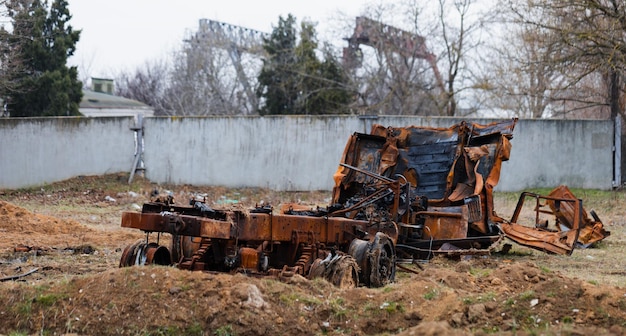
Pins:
<point x="284" y="153"/>
<point x="36" y="151"/>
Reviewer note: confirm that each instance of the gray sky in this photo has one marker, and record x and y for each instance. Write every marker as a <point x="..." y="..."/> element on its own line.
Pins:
<point x="123" y="34"/>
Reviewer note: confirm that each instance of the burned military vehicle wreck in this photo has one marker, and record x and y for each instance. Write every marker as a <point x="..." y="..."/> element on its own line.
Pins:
<point x="401" y="193"/>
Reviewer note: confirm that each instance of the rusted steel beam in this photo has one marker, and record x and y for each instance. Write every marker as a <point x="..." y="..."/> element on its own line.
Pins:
<point x="179" y="224"/>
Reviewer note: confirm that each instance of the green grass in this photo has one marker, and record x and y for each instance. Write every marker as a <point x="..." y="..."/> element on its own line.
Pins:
<point x="392" y="307"/>
<point x="527" y="295"/>
<point x="479" y="272"/>
<point x="18" y="333"/>
<point x="431" y="294"/>
<point x="226" y="330"/>
<point x="489" y="296"/>
<point x="388" y="289"/>
<point x="337" y="308"/>
<point x="292" y="298"/>
<point x="49" y="299"/>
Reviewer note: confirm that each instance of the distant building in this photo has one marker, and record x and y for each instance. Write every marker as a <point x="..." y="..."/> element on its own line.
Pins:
<point x="96" y="104"/>
<point x="100" y="102"/>
<point x="103" y="85"/>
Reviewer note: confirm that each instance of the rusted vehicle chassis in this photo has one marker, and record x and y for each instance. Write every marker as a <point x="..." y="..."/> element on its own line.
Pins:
<point x="400" y="194"/>
<point x="344" y="251"/>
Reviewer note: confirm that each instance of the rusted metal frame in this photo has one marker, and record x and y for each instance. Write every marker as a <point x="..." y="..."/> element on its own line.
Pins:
<point x="440" y="214"/>
<point x="539" y="239"/>
<point x="460" y="251"/>
<point x="445" y="224"/>
<point x="17" y="276"/>
<point x="544" y="241"/>
<point x="578" y="207"/>
<point x="331" y="230"/>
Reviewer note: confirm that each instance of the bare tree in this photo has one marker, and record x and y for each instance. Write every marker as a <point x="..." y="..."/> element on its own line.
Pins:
<point x="147" y="84"/>
<point x="204" y="82"/>
<point x="589" y="35"/>
<point x="458" y="40"/>
<point x="521" y="79"/>
<point x="212" y="73"/>
<point x="401" y="73"/>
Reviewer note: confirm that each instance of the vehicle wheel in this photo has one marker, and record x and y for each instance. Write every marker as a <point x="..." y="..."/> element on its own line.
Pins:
<point x="142" y="253"/>
<point x="376" y="259"/>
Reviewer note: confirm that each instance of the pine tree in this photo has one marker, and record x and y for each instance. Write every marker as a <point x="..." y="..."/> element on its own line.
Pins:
<point x="294" y="80"/>
<point x="276" y="84"/>
<point x="47" y="87"/>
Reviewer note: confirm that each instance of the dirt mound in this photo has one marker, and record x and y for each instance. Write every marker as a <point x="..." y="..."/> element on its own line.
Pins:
<point x="22" y="229"/>
<point x="508" y="298"/>
<point x="17" y="219"/>
<point x="19" y="226"/>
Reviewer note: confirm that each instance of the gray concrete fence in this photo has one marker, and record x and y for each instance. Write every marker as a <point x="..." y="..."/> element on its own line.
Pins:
<point x="277" y="152"/>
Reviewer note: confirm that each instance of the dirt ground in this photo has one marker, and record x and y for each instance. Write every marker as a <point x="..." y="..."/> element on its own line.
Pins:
<point x="68" y="235"/>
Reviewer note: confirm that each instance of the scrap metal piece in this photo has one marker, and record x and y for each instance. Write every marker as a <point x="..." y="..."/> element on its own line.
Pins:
<point x="448" y="173"/>
<point x="539" y="227"/>
<point x="591" y="230"/>
<point x="557" y="223"/>
<point x="376" y="259"/>
<point x="259" y="241"/>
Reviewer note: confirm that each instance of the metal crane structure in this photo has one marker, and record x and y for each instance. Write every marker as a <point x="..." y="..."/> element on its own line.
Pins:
<point x="388" y="39"/>
<point x="235" y="40"/>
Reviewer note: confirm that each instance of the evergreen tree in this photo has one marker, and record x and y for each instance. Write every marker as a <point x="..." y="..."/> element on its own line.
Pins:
<point x="47" y="87"/>
<point x="294" y="80"/>
<point x="276" y="84"/>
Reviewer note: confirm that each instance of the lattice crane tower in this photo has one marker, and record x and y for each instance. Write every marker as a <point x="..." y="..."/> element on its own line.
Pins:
<point x="235" y="40"/>
<point x="388" y="38"/>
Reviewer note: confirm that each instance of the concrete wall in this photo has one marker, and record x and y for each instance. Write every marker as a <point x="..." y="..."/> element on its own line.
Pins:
<point x="278" y="152"/>
<point x="302" y="152"/>
<point x="546" y="153"/>
<point x="284" y="153"/>
<point x="35" y="151"/>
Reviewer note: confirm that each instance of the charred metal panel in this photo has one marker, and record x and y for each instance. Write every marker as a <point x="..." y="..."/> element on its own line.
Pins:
<point x="428" y="154"/>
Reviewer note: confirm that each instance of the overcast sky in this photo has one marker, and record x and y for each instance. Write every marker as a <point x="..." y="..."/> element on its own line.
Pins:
<point x="123" y="34"/>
